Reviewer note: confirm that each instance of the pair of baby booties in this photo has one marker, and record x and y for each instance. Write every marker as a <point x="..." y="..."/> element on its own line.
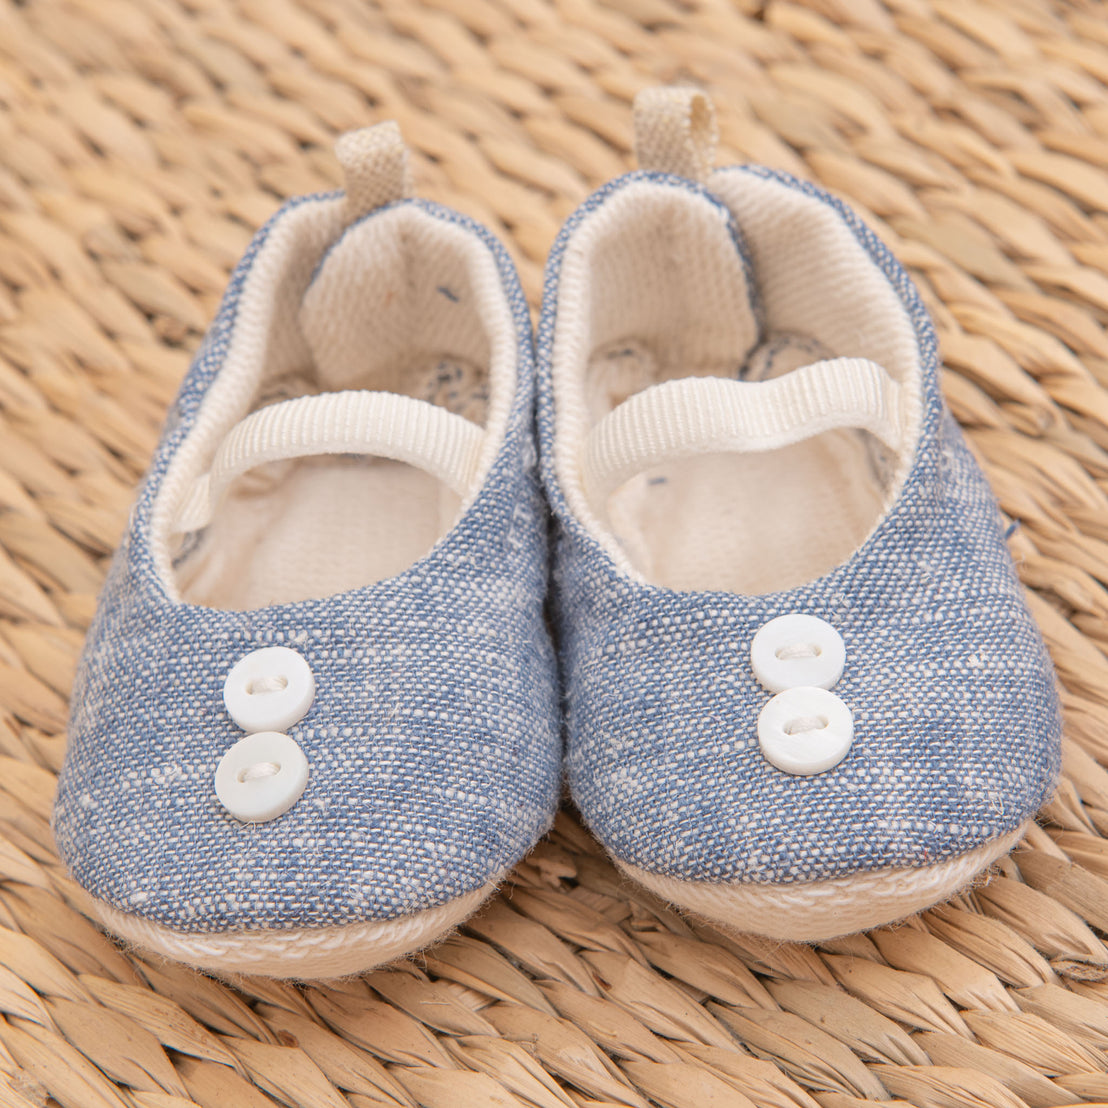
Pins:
<point x="319" y="715"/>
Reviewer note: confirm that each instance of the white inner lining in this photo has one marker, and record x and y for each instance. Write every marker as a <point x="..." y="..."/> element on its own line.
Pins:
<point x="401" y="302"/>
<point x="652" y="289"/>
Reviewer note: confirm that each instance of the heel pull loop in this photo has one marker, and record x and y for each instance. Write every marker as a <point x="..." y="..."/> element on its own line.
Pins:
<point x="675" y="131"/>
<point x="375" y="168"/>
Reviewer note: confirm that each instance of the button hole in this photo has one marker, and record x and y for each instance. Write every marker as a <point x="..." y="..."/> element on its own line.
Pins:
<point x="266" y="685"/>
<point x="258" y="770"/>
<point x="798" y="650"/>
<point x="802" y="724"/>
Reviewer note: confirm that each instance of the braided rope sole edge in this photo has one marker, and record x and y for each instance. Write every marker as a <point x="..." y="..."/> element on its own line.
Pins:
<point x="296" y="953"/>
<point x="819" y="910"/>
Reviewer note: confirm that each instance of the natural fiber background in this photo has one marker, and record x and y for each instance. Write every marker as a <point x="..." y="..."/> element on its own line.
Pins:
<point x="141" y="141"/>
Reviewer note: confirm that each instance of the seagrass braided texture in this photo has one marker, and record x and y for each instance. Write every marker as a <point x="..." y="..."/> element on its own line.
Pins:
<point x="141" y="142"/>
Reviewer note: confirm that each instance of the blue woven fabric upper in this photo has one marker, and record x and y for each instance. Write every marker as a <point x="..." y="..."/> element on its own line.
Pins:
<point x="957" y="721"/>
<point x="433" y="740"/>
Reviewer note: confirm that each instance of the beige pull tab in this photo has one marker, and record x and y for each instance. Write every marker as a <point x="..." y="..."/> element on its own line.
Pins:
<point x="374" y="164"/>
<point x="675" y="131"/>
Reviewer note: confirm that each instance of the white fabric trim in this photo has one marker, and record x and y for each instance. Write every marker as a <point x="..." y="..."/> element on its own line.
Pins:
<point x="382" y="424"/>
<point x="813" y="911"/>
<point x="704" y="415"/>
<point x="298" y="953"/>
<point x="675" y="131"/>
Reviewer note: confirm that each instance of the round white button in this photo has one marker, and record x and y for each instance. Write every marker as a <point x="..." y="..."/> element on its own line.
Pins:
<point x="261" y="776"/>
<point x="269" y="689"/>
<point x="795" y="650"/>
<point x="805" y="730"/>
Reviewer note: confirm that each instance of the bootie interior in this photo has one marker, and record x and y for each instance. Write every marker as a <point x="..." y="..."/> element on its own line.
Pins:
<point x="401" y="302"/>
<point x="661" y="282"/>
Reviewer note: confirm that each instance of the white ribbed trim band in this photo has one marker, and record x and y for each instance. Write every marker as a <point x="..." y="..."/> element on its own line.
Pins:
<point x="812" y="911"/>
<point x="298" y="953"/>
<point x="383" y="424"/>
<point x="702" y="415"/>
<point x="675" y="131"/>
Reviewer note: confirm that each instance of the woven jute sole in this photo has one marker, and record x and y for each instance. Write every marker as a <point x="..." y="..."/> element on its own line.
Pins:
<point x="814" y="911"/>
<point x="296" y="953"/>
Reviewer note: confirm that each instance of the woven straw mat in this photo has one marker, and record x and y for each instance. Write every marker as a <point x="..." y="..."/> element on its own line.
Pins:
<point x="142" y="141"/>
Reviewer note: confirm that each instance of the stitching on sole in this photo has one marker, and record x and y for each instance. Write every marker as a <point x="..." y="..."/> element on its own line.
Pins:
<point x="317" y="952"/>
<point x="819" y="910"/>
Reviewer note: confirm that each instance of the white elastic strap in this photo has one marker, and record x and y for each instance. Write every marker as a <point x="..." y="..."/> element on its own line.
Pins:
<point x="382" y="424"/>
<point x="374" y="164"/>
<point x="675" y="131"/>
<point x="704" y="415"/>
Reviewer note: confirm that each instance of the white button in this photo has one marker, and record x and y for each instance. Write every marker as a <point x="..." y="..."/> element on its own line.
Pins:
<point x="269" y="690"/>
<point x="261" y="776"/>
<point x="805" y="730"/>
<point x="795" y="650"/>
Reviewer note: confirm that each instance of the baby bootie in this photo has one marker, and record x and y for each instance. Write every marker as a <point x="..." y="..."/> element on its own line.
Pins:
<point x="804" y="693"/>
<point x="315" y="722"/>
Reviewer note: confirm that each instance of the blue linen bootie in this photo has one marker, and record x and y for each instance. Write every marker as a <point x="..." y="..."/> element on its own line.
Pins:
<point x="315" y="721"/>
<point x="804" y="693"/>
